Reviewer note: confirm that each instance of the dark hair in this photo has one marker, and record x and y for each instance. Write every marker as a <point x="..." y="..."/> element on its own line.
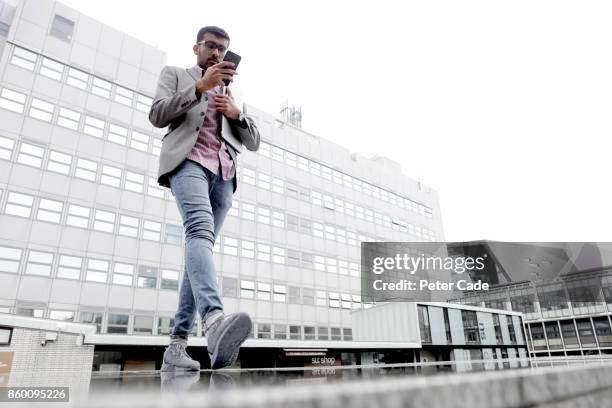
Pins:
<point x="218" y="31"/>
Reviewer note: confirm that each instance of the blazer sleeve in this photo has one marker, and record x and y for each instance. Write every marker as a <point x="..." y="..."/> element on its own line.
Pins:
<point x="248" y="133"/>
<point x="170" y="102"/>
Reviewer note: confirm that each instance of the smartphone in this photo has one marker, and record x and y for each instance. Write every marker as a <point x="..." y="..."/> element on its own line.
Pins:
<point x="232" y="57"/>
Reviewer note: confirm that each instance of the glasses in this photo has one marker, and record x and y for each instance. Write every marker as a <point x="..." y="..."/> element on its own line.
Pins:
<point x="213" y="45"/>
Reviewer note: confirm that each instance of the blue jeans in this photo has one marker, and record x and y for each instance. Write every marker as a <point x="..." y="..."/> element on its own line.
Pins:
<point x="203" y="200"/>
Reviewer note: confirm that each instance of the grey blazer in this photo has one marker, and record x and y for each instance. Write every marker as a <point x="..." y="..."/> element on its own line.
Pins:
<point x="176" y="105"/>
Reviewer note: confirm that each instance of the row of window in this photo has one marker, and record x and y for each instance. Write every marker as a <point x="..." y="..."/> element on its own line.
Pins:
<point x="65" y="213"/>
<point x="570" y="334"/>
<point x="63" y="266"/>
<point x="66" y="74"/>
<point x="99" y="128"/>
<point x="124" y="323"/>
<point x="42" y="263"/>
<point x="80" y="122"/>
<point x="34" y="155"/>
<point x="327" y="173"/>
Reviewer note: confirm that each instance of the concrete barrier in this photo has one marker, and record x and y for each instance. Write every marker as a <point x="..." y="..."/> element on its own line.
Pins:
<point x="558" y="387"/>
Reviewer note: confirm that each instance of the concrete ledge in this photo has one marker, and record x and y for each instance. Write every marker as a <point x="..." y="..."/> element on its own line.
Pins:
<point x="139" y="340"/>
<point x="560" y="387"/>
<point x="36" y="323"/>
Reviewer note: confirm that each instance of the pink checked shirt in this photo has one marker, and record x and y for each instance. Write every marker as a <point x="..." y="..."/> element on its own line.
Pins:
<point x="210" y="150"/>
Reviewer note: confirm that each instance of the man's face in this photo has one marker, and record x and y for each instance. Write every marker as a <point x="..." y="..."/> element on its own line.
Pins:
<point x="210" y="50"/>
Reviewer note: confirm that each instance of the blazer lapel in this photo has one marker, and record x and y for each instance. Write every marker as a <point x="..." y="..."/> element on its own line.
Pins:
<point x="195" y="73"/>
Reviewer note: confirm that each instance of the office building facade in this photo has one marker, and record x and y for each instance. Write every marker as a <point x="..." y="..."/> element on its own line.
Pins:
<point x="87" y="235"/>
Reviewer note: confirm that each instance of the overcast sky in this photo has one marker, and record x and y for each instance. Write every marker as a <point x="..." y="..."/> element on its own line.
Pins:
<point x="503" y="107"/>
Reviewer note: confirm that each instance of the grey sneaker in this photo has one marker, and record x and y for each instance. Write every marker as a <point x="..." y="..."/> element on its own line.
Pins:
<point x="177" y="359"/>
<point x="225" y="335"/>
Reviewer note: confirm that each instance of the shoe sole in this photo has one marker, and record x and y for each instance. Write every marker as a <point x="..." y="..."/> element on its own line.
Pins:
<point x="226" y="351"/>
<point x="172" y="368"/>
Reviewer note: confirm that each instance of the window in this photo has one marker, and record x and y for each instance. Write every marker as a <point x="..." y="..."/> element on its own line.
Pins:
<point x="347" y="334"/>
<point x="62" y="28"/>
<point x="319" y="263"/>
<point x="52" y="69"/>
<point x="173" y="234"/>
<point x="165" y="324"/>
<point x="263" y="331"/>
<point x="292" y="223"/>
<point x="117" y="134"/>
<point x="317" y="229"/>
<point x="92" y="318"/>
<point x="86" y="169"/>
<point x="315" y="169"/>
<point x="156" y="146"/>
<point x="326" y="173"/>
<point x="345" y="300"/>
<point x="308" y="296"/>
<point x="354" y="269"/>
<point x="230" y="246"/>
<point x="123" y="274"/>
<point x="12" y="100"/>
<point x="6" y="148"/>
<point x="139" y="141"/>
<point x="111" y="176"/>
<point x="128" y="226"/>
<point x="293" y="257"/>
<point x="277" y="154"/>
<point x="278" y="185"/>
<point x="76" y="78"/>
<point x="247" y="249"/>
<point x="9" y="259"/>
<point x="151" y="230"/>
<point x="263" y="181"/>
<point x="123" y="96"/>
<point x="295" y="333"/>
<point x="77" y="216"/>
<point x="280" y="293"/>
<point x="303" y="163"/>
<point x="247" y="289"/>
<point x="263" y="215"/>
<point x="42" y="110"/>
<point x="343" y="267"/>
<point x="30" y="311"/>
<point x="97" y="271"/>
<point x="293" y="191"/>
<point x="134" y="182"/>
<point x="147" y="277"/>
<point x="59" y="162"/>
<point x="69" y="267"/>
<point x="305" y="226"/>
<point x="317" y="198"/>
<point x="328" y="202"/>
<point x="104" y="221"/>
<point x="230" y="287"/>
<point x="334" y="299"/>
<point x="294" y="295"/>
<point x="263" y="252"/>
<point x="24" y="58"/>
<point x="280" y="331"/>
<point x="19" y="204"/>
<point x="93" y="126"/>
<point x="101" y="88"/>
<point x="143" y="103"/>
<point x="248" y="176"/>
<point x="263" y="291"/>
<point x="248" y="211"/>
<point x="65" y="315"/>
<point x="278" y="255"/>
<point x="309" y="333"/>
<point x="330" y="233"/>
<point x="323" y="333"/>
<point x="321" y="298"/>
<point x="143" y="325"/>
<point x="470" y="327"/>
<point x="30" y="155"/>
<point x="49" y="210"/>
<point x="278" y="219"/>
<point x="39" y="263"/>
<point x="336" y="334"/>
<point x="331" y="265"/>
<point x="356" y="301"/>
<point x="68" y="118"/>
<point x="117" y="323"/>
<point x="307" y="261"/>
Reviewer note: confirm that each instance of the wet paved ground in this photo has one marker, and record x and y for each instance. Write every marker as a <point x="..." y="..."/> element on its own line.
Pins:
<point x="103" y="389"/>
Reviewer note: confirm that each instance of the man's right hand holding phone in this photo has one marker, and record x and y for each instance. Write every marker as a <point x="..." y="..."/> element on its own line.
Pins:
<point x="215" y="75"/>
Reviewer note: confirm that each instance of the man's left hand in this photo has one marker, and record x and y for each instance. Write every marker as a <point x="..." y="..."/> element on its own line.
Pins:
<point x="226" y="105"/>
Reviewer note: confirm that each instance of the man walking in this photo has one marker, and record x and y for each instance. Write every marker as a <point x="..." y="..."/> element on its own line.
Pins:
<point x="198" y="163"/>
